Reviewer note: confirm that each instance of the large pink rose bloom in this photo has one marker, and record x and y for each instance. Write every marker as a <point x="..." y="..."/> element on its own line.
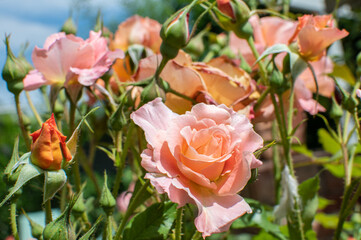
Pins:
<point x="67" y="59"/>
<point x="203" y="157"/>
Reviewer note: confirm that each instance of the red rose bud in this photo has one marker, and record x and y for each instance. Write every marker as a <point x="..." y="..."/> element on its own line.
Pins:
<point x="175" y="33"/>
<point x="48" y="149"/>
<point x="15" y="70"/>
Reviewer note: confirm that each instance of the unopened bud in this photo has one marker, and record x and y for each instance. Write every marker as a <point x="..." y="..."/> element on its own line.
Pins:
<point x="69" y="26"/>
<point x="175" y="33"/>
<point x="107" y="201"/>
<point x="151" y="92"/>
<point x="79" y="207"/>
<point x="14" y="70"/>
<point x="118" y="119"/>
<point x="36" y="228"/>
<point x="278" y="83"/>
<point x="233" y="15"/>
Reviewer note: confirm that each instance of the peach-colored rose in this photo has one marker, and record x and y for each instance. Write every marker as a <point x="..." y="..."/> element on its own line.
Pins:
<point x="67" y="60"/>
<point x="314" y="34"/>
<point x="267" y="31"/>
<point x="219" y="81"/>
<point x="48" y="149"/>
<point x="203" y="157"/>
<point x="137" y="30"/>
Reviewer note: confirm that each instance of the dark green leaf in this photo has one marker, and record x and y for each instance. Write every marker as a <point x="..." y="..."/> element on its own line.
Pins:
<point x="28" y="172"/>
<point x="154" y="223"/>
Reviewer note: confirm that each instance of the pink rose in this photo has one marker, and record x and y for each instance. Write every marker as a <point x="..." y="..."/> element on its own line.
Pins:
<point x="203" y="157"/>
<point x="67" y="59"/>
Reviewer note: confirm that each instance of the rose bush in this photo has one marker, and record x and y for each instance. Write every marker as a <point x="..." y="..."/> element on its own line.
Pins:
<point x="203" y="157"/>
<point x="48" y="149"/>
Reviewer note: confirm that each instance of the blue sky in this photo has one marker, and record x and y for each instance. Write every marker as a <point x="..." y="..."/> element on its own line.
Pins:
<point x="34" y="20"/>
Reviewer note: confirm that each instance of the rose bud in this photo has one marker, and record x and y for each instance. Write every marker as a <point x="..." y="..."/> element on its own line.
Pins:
<point x="14" y="70"/>
<point x="69" y="26"/>
<point x="233" y="15"/>
<point x="48" y="149"/>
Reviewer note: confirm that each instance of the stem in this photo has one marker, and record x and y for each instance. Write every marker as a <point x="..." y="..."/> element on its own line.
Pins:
<point x="286" y="143"/>
<point x="124" y="153"/>
<point x="24" y="132"/>
<point x="286" y="7"/>
<point x="196" y="236"/>
<point x="48" y="213"/>
<point x="33" y="109"/>
<point x="262" y="69"/>
<point x="276" y="165"/>
<point x="108" y="232"/>
<point x="345" y="157"/>
<point x="132" y="206"/>
<point x="178" y="226"/>
<point x="160" y="68"/>
<point x="75" y="167"/>
<point x="14" y="227"/>
<point x="261" y="98"/>
<point x="182" y="96"/>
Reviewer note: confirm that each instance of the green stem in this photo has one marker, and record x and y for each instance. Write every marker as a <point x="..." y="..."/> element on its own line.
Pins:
<point x="108" y="232"/>
<point x="262" y="69"/>
<point x="196" y="236"/>
<point x="48" y="213"/>
<point x="286" y="7"/>
<point x="160" y="68"/>
<point x="286" y="143"/>
<point x="261" y="98"/>
<point x="33" y="109"/>
<point x="14" y="227"/>
<point x="182" y="96"/>
<point x="24" y="132"/>
<point x="178" y="226"/>
<point x="132" y="206"/>
<point x="345" y="157"/>
<point x="75" y="167"/>
<point x="276" y="165"/>
<point x="124" y="153"/>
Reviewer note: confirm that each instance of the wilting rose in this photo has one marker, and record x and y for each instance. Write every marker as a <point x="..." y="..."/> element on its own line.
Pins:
<point x="218" y="81"/>
<point x="67" y="60"/>
<point x="203" y="157"/>
<point x="137" y="30"/>
<point x="48" y="149"/>
<point x="314" y="34"/>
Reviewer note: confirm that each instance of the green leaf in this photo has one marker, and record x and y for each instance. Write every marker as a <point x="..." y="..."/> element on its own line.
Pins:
<point x="14" y="157"/>
<point x="296" y="64"/>
<point x="308" y="192"/>
<point x="343" y="72"/>
<point x="73" y="140"/>
<point x="327" y="141"/>
<point x="89" y="233"/>
<point x="154" y="223"/>
<point x="54" y="181"/>
<point x="277" y="48"/>
<point x="141" y="199"/>
<point x="336" y="170"/>
<point x="258" y="218"/>
<point x="303" y="150"/>
<point x="28" y="172"/>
